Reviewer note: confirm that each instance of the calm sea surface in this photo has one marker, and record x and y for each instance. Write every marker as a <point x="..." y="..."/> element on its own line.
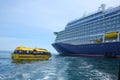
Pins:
<point x="59" y="68"/>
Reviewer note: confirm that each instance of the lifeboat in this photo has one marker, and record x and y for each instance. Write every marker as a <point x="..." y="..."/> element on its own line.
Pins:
<point x="98" y="40"/>
<point x="24" y="53"/>
<point x="112" y="35"/>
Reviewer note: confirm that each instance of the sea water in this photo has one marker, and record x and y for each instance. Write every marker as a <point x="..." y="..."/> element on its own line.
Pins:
<point x="59" y="68"/>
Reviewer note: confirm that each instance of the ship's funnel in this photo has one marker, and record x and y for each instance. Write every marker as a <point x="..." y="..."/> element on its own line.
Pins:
<point x="102" y="7"/>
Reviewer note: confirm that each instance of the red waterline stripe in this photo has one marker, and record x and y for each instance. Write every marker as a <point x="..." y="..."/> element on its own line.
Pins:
<point x="117" y="56"/>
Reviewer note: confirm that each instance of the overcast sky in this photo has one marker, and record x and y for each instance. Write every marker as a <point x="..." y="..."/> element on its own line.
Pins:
<point x="31" y="23"/>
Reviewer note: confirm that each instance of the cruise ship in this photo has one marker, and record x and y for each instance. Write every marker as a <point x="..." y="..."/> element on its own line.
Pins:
<point x="94" y="35"/>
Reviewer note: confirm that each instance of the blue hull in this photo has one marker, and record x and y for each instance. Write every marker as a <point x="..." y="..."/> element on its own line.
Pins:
<point x="111" y="49"/>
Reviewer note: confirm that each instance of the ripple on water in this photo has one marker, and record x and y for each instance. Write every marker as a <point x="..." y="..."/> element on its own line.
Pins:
<point x="60" y="68"/>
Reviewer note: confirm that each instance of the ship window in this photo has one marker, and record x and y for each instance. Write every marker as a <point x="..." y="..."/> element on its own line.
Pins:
<point x="19" y="52"/>
<point x="102" y="45"/>
<point x="24" y="52"/>
<point x="15" y="51"/>
<point x="27" y="52"/>
<point x="89" y="45"/>
<point x="39" y="53"/>
<point x="30" y="52"/>
<point x="34" y="52"/>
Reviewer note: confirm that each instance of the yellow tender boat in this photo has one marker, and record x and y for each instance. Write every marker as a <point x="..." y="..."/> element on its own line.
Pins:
<point x="23" y="53"/>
